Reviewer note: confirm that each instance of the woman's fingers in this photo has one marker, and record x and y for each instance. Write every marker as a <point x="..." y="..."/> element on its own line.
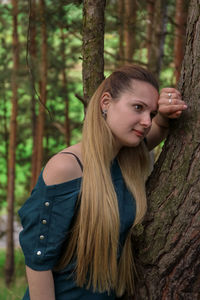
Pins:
<point x="170" y="103"/>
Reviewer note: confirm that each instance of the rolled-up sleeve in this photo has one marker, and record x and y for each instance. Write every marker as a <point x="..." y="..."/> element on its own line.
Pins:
<point x="46" y="219"/>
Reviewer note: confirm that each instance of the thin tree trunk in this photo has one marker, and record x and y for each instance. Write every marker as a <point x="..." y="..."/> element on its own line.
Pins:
<point x="120" y="10"/>
<point x="180" y="30"/>
<point x="130" y="9"/>
<point x="64" y="90"/>
<point x="156" y="50"/>
<point x="9" y="265"/>
<point x="5" y="129"/>
<point x="4" y="108"/>
<point x="168" y="249"/>
<point x="93" y="46"/>
<point x="33" y="55"/>
<point x="43" y="91"/>
<point x="150" y="18"/>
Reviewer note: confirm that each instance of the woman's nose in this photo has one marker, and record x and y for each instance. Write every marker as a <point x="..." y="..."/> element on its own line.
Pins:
<point x="146" y="121"/>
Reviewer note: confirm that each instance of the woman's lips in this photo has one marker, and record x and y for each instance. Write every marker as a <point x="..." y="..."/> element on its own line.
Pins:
<point x="138" y="133"/>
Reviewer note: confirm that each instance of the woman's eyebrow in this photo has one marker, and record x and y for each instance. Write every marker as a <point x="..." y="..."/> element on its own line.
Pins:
<point x="137" y="100"/>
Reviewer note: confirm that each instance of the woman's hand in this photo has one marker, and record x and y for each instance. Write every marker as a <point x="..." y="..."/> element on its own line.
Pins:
<point x="170" y="104"/>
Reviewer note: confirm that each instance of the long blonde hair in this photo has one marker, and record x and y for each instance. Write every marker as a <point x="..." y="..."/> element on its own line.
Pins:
<point x="94" y="238"/>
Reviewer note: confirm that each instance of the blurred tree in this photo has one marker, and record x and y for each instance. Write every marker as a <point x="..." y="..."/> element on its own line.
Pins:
<point x="6" y="59"/>
<point x="157" y="19"/>
<point x="167" y="244"/>
<point x="150" y="15"/>
<point x="130" y="16"/>
<point x="64" y="88"/>
<point x="32" y="47"/>
<point x="9" y="264"/>
<point x="43" y="91"/>
<point x="120" y="9"/>
<point x="127" y="17"/>
<point x="180" y="29"/>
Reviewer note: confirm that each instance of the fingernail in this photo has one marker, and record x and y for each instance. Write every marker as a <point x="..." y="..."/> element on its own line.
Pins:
<point x="185" y="106"/>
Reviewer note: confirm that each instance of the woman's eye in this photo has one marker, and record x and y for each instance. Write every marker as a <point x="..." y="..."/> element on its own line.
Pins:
<point x="138" y="107"/>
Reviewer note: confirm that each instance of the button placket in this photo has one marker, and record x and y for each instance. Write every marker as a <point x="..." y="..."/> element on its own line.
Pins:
<point x="43" y="229"/>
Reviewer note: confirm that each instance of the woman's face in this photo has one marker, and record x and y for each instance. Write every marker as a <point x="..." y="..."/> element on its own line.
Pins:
<point x="130" y="116"/>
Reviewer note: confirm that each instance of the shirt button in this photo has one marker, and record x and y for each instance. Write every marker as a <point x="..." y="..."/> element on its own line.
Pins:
<point x="46" y="203"/>
<point x="39" y="252"/>
<point x="44" y="221"/>
<point x="41" y="237"/>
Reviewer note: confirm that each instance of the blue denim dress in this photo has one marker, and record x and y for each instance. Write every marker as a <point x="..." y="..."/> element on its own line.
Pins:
<point x="46" y="218"/>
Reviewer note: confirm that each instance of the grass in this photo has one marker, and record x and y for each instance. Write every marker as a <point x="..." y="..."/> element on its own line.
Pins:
<point x="18" y="287"/>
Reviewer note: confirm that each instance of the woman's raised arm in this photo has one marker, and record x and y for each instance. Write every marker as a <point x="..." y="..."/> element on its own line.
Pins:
<point x="170" y="106"/>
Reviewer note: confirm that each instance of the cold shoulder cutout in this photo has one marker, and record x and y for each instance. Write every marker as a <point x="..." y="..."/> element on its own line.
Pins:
<point x="62" y="168"/>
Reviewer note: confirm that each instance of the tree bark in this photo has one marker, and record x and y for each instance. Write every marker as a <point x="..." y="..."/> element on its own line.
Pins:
<point x="9" y="265"/>
<point x="43" y="91"/>
<point x="167" y="245"/>
<point x="130" y="9"/>
<point x="180" y="30"/>
<point x="156" y="50"/>
<point x="93" y="46"/>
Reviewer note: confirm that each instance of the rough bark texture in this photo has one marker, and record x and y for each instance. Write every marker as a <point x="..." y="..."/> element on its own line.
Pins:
<point x="168" y="250"/>
<point x="43" y="91"/>
<point x="179" y="40"/>
<point x="9" y="265"/>
<point x="156" y="49"/>
<point x="93" y="46"/>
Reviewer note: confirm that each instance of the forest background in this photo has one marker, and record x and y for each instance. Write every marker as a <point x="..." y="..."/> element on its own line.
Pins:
<point x="41" y="59"/>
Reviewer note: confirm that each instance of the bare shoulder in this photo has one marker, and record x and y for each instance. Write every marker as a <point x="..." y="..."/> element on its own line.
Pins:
<point x="61" y="168"/>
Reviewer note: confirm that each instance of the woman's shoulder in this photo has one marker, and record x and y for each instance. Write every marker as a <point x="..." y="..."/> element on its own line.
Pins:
<point x="63" y="166"/>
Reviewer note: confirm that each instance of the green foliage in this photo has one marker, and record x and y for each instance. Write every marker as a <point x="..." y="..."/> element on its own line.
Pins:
<point x="18" y="287"/>
<point x="65" y="15"/>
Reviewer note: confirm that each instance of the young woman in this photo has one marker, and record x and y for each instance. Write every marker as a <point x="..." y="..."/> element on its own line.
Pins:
<point x="78" y="221"/>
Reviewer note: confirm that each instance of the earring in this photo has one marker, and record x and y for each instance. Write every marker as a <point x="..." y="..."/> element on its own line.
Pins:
<point x="104" y="113"/>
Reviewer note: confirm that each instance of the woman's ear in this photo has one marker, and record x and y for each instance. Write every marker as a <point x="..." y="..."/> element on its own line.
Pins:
<point x="105" y="101"/>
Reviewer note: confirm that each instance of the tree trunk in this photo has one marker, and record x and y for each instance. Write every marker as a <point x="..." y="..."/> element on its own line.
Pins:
<point x="156" y="50"/>
<point x="150" y="17"/>
<point x="179" y="41"/>
<point x="120" y="10"/>
<point x="130" y="9"/>
<point x="167" y="251"/>
<point x="33" y="55"/>
<point x="43" y="91"/>
<point x="5" y="129"/>
<point x="64" y="90"/>
<point x="93" y="46"/>
<point x="9" y="265"/>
